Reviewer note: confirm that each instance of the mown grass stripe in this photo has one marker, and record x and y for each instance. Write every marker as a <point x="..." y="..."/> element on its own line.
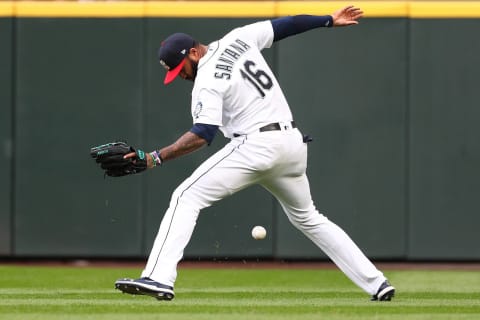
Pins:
<point x="87" y="293"/>
<point x="245" y="309"/>
<point x="235" y="316"/>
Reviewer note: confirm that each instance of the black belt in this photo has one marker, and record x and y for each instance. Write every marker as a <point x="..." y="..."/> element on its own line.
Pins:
<point x="270" y="127"/>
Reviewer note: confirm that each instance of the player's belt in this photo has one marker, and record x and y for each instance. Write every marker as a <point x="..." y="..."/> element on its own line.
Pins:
<point x="271" y="127"/>
<point x="275" y="126"/>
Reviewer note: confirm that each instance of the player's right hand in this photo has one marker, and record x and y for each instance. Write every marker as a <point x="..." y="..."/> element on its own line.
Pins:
<point x="347" y="16"/>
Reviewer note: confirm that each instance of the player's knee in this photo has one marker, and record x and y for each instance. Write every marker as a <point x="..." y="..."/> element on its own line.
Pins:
<point x="184" y="197"/>
<point x="307" y="220"/>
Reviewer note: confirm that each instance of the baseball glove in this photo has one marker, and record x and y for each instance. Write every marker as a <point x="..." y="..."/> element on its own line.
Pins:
<point x="110" y="156"/>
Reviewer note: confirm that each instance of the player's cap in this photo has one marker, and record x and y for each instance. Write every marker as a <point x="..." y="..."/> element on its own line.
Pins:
<point x="172" y="53"/>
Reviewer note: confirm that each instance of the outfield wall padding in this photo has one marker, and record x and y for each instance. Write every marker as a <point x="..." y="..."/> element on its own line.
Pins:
<point x="6" y="107"/>
<point x="79" y="84"/>
<point x="391" y="104"/>
<point x="444" y="149"/>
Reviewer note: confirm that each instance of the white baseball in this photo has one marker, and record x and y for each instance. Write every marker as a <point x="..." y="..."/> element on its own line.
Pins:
<point x="259" y="233"/>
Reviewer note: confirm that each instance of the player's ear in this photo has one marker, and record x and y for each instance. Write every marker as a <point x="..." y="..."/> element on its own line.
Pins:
<point x="194" y="54"/>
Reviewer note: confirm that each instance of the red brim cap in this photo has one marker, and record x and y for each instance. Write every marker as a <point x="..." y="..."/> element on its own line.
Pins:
<point x="172" y="74"/>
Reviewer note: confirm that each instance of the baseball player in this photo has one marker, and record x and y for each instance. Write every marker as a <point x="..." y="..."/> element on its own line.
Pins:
<point x="235" y="91"/>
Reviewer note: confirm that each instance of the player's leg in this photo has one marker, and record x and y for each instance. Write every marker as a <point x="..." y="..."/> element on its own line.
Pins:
<point x="292" y="190"/>
<point x="226" y="172"/>
<point x="294" y="196"/>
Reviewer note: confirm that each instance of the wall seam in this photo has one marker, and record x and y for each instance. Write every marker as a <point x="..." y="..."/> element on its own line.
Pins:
<point x="143" y="135"/>
<point x="407" y="146"/>
<point x="13" y="133"/>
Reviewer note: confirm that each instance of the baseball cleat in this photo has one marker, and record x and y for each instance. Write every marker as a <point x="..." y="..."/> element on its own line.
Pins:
<point x="145" y="286"/>
<point x="384" y="293"/>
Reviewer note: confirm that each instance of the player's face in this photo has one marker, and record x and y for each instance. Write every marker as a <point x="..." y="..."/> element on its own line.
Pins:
<point x="189" y="70"/>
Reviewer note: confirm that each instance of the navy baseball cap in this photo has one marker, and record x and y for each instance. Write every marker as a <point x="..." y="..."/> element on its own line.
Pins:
<point x="172" y="53"/>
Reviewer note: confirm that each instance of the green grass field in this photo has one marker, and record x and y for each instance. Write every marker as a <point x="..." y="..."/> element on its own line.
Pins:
<point x="87" y="293"/>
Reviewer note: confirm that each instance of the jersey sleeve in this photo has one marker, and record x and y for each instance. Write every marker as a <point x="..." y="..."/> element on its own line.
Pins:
<point x="258" y="33"/>
<point x="207" y="107"/>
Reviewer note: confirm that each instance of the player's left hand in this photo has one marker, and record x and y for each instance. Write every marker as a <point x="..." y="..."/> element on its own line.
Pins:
<point x="119" y="159"/>
<point x="148" y="158"/>
<point x="347" y="16"/>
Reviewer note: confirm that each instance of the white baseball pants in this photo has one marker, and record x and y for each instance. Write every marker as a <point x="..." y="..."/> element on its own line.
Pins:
<point x="277" y="160"/>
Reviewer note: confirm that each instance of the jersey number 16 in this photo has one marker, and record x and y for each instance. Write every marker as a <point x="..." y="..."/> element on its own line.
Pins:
<point x="259" y="79"/>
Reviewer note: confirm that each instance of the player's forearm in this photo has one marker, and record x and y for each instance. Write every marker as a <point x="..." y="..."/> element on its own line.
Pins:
<point x="291" y="25"/>
<point x="186" y="144"/>
<point x="288" y="26"/>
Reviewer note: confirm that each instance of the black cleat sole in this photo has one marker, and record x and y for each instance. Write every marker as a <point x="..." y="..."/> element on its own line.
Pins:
<point x="136" y="290"/>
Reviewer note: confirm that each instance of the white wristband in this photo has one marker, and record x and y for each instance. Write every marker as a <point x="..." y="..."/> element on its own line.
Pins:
<point x="157" y="160"/>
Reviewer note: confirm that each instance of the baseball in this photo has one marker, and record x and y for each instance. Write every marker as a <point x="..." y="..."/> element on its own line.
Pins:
<point x="259" y="233"/>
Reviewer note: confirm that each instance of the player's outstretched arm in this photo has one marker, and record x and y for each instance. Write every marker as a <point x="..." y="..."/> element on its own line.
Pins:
<point x="347" y="16"/>
<point x="186" y="144"/>
<point x="291" y="25"/>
